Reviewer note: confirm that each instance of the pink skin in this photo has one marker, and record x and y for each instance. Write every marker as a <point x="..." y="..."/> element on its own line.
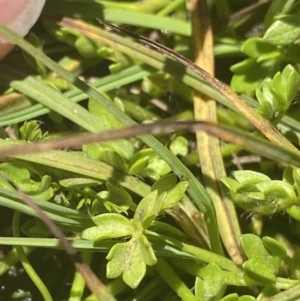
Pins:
<point x="20" y="16"/>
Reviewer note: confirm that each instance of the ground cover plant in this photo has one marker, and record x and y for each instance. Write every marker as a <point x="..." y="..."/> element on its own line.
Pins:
<point x="169" y="183"/>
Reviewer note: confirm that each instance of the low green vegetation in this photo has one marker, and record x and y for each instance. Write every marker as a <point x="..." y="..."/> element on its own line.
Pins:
<point x="155" y="212"/>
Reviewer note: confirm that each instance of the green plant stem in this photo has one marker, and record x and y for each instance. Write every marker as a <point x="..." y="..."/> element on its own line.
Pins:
<point x="292" y="294"/>
<point x="118" y="15"/>
<point x="146" y="6"/>
<point x="170" y="7"/>
<point x="12" y="258"/>
<point x="26" y="264"/>
<point x="152" y="290"/>
<point x="201" y="254"/>
<point x="168" y="274"/>
<point x="115" y="287"/>
<point x="78" y="284"/>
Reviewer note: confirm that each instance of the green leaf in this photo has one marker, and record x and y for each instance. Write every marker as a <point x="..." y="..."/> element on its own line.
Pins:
<point x="77" y="182"/>
<point x="231" y="297"/>
<point x="157" y="168"/>
<point x="142" y="15"/>
<point x="248" y="74"/>
<point x="231" y="184"/>
<point x="120" y="197"/>
<point x="16" y="172"/>
<point x="247" y="298"/>
<point x="294" y="212"/>
<point x="212" y="286"/>
<point x="248" y="186"/>
<point x="175" y="195"/>
<point x="41" y="195"/>
<point x="148" y="208"/>
<point x="268" y="291"/>
<point x="257" y="196"/>
<point x="138" y="166"/>
<point x="130" y="259"/>
<point x="165" y="183"/>
<point x="147" y="163"/>
<point x="33" y="187"/>
<point x="276" y="7"/>
<point x="155" y="84"/>
<point x="285" y="86"/>
<point x="287" y="175"/>
<point x="106" y="153"/>
<point x="256" y="47"/>
<point x="274" y="247"/>
<point x="259" y="271"/>
<point x="254" y="249"/>
<point x="244" y="175"/>
<point x="41" y="191"/>
<point x="278" y="190"/>
<point x="101" y="112"/>
<point x="284" y="31"/>
<point x="179" y="146"/>
<point x="30" y="131"/>
<point x="109" y="225"/>
<point x="86" y="47"/>
<point x="267" y="100"/>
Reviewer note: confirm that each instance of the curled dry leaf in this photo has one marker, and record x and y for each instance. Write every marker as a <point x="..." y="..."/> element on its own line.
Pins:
<point x="19" y="16"/>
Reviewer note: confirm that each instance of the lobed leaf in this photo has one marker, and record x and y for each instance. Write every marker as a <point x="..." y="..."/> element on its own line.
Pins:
<point x="109" y="225"/>
<point x="130" y="259"/>
<point x="212" y="286"/>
